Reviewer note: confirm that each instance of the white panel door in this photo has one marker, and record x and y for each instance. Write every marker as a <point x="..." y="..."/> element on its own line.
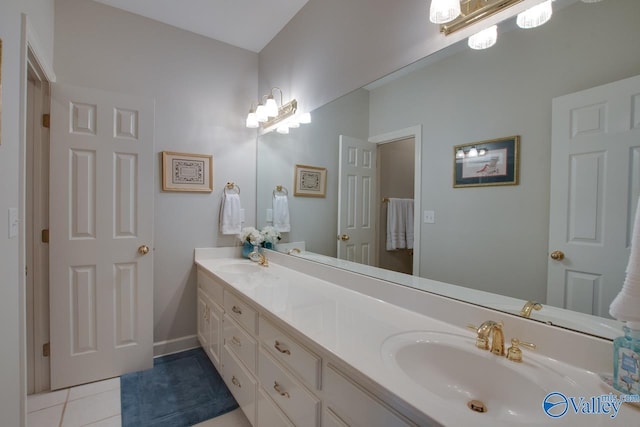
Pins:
<point x="101" y="221"/>
<point x="595" y="182"/>
<point x="356" y="191"/>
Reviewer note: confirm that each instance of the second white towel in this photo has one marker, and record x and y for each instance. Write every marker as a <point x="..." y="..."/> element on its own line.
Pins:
<point x="230" y="217"/>
<point x="399" y="224"/>
<point x="281" y="218"/>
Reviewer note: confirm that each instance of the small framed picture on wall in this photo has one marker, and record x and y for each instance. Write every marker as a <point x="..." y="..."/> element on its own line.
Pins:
<point x="187" y="172"/>
<point x="310" y="181"/>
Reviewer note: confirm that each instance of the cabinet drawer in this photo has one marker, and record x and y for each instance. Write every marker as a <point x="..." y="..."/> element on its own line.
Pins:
<point x="287" y="350"/>
<point x="241" y="312"/>
<point x="209" y="285"/>
<point x="269" y="415"/>
<point x="354" y="405"/>
<point x="240" y="343"/>
<point x="241" y="384"/>
<point x="300" y="406"/>
<point x="329" y="419"/>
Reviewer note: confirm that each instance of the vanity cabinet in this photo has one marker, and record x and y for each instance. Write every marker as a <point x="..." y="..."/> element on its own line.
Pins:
<point x="278" y="377"/>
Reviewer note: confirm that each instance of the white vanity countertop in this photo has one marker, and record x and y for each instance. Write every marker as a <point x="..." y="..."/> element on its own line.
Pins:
<point x="353" y="327"/>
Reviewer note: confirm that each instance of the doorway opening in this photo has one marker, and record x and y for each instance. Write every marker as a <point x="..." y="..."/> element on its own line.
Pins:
<point x="395" y="180"/>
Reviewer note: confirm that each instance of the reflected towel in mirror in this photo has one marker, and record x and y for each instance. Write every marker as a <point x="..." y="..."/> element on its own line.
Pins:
<point x="281" y="219"/>
<point x="230" y="217"/>
<point x="399" y="224"/>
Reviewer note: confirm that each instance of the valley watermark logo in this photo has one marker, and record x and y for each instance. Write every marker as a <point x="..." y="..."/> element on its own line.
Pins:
<point x="556" y="404"/>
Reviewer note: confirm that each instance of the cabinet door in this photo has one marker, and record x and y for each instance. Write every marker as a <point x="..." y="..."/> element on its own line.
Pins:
<point x="204" y="328"/>
<point x="216" y="341"/>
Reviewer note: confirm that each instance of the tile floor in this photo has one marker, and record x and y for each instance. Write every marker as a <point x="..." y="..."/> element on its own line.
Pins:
<point x="96" y="405"/>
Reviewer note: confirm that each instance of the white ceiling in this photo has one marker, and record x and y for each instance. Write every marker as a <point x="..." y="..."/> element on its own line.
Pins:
<point x="249" y="24"/>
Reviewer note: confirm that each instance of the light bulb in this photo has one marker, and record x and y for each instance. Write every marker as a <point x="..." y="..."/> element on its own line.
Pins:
<point x="484" y="39"/>
<point x="283" y="129"/>
<point x="535" y="16"/>
<point x="443" y="11"/>
<point x="473" y="152"/>
<point x="271" y="107"/>
<point x="261" y="113"/>
<point x="482" y="151"/>
<point x="252" y="121"/>
<point x="304" y="118"/>
<point x="459" y="154"/>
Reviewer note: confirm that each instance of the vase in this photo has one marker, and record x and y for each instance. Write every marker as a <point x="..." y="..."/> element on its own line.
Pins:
<point x="247" y="248"/>
<point x="268" y="245"/>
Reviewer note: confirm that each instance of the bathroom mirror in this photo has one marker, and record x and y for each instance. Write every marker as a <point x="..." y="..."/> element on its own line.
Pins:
<point x="489" y="239"/>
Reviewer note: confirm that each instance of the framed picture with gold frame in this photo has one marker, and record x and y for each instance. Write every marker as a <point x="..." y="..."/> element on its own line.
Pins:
<point x="487" y="163"/>
<point x="187" y="172"/>
<point x="310" y="181"/>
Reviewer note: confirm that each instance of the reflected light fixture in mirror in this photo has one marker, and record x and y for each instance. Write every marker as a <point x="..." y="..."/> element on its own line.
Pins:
<point x="270" y="116"/>
<point x="443" y="11"/>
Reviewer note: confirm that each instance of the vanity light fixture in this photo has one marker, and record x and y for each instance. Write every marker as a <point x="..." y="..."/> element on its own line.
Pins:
<point x="454" y="15"/>
<point x="270" y="116"/>
<point x="473" y="152"/>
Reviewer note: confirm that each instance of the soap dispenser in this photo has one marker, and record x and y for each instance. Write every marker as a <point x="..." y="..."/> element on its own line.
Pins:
<point x="626" y="360"/>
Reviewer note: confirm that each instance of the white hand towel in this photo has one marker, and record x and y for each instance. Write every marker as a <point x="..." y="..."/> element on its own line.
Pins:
<point x="626" y="305"/>
<point x="396" y="225"/>
<point x="230" y="221"/>
<point x="281" y="219"/>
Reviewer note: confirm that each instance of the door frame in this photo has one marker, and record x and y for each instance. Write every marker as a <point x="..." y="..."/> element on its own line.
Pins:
<point x="30" y="52"/>
<point x="37" y="219"/>
<point x="414" y="132"/>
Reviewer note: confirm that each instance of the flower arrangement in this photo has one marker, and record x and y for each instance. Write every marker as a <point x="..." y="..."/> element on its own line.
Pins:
<point x="270" y="235"/>
<point x="251" y="235"/>
<point x="267" y="237"/>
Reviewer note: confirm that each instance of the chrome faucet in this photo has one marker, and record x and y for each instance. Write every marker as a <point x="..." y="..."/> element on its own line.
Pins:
<point x="491" y="330"/>
<point x="530" y="305"/>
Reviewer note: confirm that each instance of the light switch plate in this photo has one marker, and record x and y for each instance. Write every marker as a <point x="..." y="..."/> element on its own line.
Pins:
<point x="429" y="217"/>
<point x="14" y="223"/>
<point x="269" y="215"/>
<point x="242" y="215"/>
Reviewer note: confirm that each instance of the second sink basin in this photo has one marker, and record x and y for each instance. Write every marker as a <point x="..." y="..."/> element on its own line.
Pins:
<point x="451" y="367"/>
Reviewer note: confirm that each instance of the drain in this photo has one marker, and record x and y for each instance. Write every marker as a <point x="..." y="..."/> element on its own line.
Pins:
<point x="477" y="406"/>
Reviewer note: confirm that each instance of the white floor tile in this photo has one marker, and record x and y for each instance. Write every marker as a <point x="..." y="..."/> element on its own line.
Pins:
<point x="36" y="402"/>
<point x="94" y="388"/>
<point x="109" y="422"/>
<point x="234" y="418"/>
<point x="92" y="408"/>
<point x="49" y="417"/>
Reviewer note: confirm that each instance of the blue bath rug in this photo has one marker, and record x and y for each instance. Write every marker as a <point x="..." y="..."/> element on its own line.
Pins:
<point x="181" y="390"/>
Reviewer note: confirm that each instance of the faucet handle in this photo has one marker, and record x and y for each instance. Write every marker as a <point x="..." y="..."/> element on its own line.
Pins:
<point x="514" y="353"/>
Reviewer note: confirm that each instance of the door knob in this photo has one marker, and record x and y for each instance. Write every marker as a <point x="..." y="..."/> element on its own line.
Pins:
<point x="557" y="255"/>
<point x="143" y="250"/>
<point x="344" y="237"/>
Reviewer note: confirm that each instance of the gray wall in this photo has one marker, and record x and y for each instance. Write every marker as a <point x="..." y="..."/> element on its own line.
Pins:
<point x="332" y="47"/>
<point x="495" y="238"/>
<point x="202" y="89"/>
<point x="12" y="300"/>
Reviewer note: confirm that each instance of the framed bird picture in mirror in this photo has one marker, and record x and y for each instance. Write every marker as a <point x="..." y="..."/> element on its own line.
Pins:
<point x="487" y="163"/>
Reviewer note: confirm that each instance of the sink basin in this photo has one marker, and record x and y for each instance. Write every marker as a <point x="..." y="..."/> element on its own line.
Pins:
<point x="247" y="267"/>
<point x="452" y="368"/>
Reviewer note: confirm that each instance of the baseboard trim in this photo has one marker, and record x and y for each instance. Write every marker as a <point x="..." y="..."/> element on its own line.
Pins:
<point x="163" y="348"/>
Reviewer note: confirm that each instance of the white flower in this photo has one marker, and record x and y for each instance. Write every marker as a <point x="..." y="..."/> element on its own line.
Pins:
<point x="251" y="235"/>
<point x="270" y="234"/>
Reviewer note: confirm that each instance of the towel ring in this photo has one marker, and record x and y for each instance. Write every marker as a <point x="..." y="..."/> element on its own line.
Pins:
<point x="280" y="189"/>
<point x="231" y="186"/>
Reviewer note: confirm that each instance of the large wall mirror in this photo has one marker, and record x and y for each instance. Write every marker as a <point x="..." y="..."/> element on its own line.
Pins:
<point x="486" y="245"/>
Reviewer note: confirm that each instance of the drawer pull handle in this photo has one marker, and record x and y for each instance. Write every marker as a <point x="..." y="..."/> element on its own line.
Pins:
<point x="235" y="382"/>
<point x="236" y="341"/>
<point x="278" y="347"/>
<point x="276" y="387"/>
<point x="236" y="309"/>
